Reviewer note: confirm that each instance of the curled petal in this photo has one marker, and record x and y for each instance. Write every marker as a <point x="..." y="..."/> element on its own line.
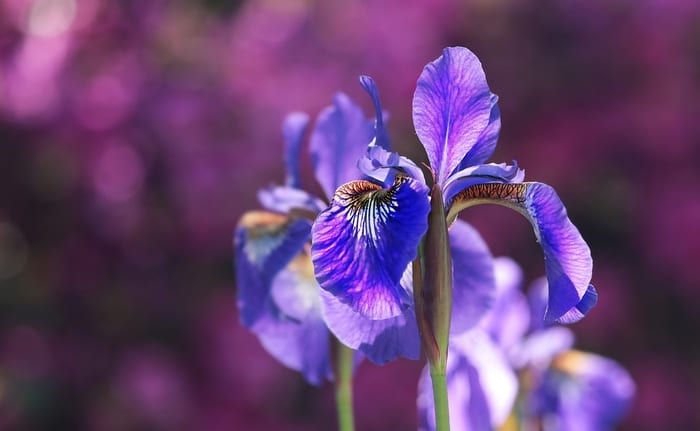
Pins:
<point x="567" y="258"/>
<point x="338" y="141"/>
<point x="293" y="129"/>
<point x="384" y="165"/>
<point x="264" y="244"/>
<point x="380" y="341"/>
<point x="451" y="108"/>
<point x="362" y="243"/>
<point x="480" y="174"/>
<point x="473" y="277"/>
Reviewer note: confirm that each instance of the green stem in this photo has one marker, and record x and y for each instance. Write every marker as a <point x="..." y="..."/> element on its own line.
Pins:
<point x="343" y="388"/>
<point x="442" y="414"/>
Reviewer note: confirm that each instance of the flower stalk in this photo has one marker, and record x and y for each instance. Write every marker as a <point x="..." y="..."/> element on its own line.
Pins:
<point x="343" y="387"/>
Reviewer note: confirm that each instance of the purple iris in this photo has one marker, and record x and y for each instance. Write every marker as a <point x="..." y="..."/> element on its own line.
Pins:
<point x="278" y="296"/>
<point x="365" y="241"/>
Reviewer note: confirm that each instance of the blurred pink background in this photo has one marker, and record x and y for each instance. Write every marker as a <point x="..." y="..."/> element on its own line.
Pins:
<point x="133" y="135"/>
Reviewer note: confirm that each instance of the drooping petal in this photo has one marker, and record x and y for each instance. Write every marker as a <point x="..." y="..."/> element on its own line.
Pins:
<point x="302" y="346"/>
<point x="293" y="128"/>
<point x="567" y="258"/>
<point x="380" y="341"/>
<point x="339" y="139"/>
<point x="264" y="244"/>
<point x="285" y="200"/>
<point x="451" y="108"/>
<point x="481" y="386"/>
<point x="480" y="174"/>
<point x="294" y="331"/>
<point x="381" y="135"/>
<point x="362" y="243"/>
<point x="473" y="287"/>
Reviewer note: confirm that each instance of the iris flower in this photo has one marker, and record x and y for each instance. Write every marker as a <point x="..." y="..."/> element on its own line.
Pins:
<point x="278" y="296"/>
<point x="560" y="388"/>
<point x="364" y="243"/>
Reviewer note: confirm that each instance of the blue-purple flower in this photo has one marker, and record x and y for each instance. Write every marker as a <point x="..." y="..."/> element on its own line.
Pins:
<point x="364" y="243"/>
<point x="278" y="296"/>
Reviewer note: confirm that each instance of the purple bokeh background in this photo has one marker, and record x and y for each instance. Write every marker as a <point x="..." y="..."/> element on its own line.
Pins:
<point x="133" y="135"/>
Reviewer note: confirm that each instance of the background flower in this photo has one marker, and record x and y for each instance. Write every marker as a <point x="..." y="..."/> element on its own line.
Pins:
<point x="133" y="135"/>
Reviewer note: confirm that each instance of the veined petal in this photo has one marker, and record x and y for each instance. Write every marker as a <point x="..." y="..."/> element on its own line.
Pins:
<point x="264" y="244"/>
<point x="539" y="301"/>
<point x="567" y="258"/>
<point x="381" y="135"/>
<point x="486" y="144"/>
<point x="451" y="108"/>
<point x="481" y="386"/>
<point x="480" y="174"/>
<point x="473" y="287"/>
<point x="380" y="341"/>
<point x="293" y="129"/>
<point x="362" y="243"/>
<point x="339" y="139"/>
<point x="286" y="200"/>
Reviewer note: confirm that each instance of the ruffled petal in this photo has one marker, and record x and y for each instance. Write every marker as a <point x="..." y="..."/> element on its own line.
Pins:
<point x="451" y="108"/>
<point x="481" y="386"/>
<point x="486" y="144"/>
<point x="293" y="129"/>
<point x="384" y="166"/>
<point x="567" y="258"/>
<point x="264" y="244"/>
<point x="362" y="243"/>
<point x="380" y="341"/>
<point x="338" y="141"/>
<point x="473" y="277"/>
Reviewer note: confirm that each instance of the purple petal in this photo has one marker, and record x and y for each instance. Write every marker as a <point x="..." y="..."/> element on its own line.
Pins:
<point x="285" y="200"/>
<point x="338" y="141"/>
<point x="567" y="258"/>
<point x="381" y="136"/>
<point x="508" y="320"/>
<point x="591" y="392"/>
<point x="486" y="144"/>
<point x="302" y="346"/>
<point x="293" y="129"/>
<point x="481" y="386"/>
<point x="384" y="166"/>
<point x="473" y="277"/>
<point x="264" y="244"/>
<point x="540" y="347"/>
<point x="451" y="108"/>
<point x="480" y="174"/>
<point x="380" y="341"/>
<point x="362" y="243"/>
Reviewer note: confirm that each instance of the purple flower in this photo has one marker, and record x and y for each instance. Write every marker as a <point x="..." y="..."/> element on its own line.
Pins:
<point x="365" y="241"/>
<point x="278" y="296"/>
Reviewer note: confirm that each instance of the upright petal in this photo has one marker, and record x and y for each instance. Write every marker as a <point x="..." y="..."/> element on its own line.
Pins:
<point x="473" y="287"/>
<point x="486" y="144"/>
<point x="451" y="108"/>
<point x="381" y="135"/>
<point x="362" y="243"/>
<point x="264" y="244"/>
<point x="293" y="129"/>
<point x="567" y="258"/>
<point x="339" y="139"/>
